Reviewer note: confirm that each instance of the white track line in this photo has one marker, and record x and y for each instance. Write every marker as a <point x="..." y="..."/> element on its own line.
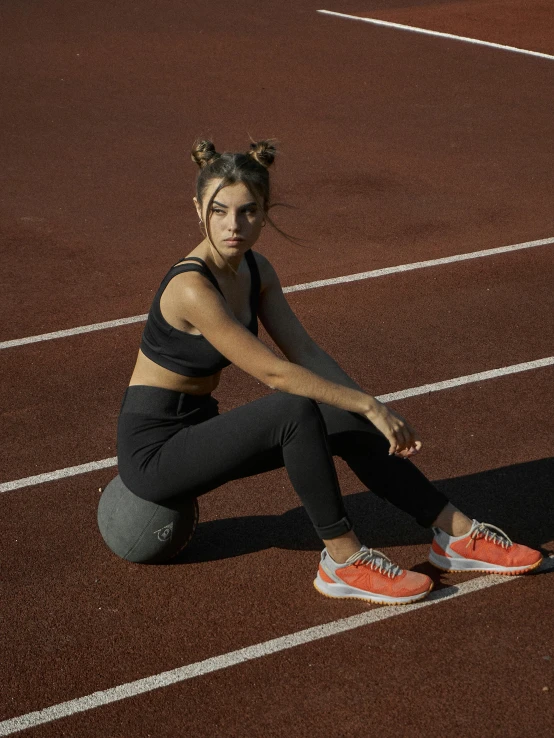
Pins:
<point x="73" y="331"/>
<point x="401" y="395"/>
<point x="294" y="288"/>
<point x="468" y="379"/>
<point x="414" y="29"/>
<point x="242" y="655"/>
<point x="69" y="471"/>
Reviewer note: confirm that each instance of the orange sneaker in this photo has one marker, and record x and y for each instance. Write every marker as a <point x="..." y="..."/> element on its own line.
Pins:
<point x="371" y="576"/>
<point x="485" y="548"/>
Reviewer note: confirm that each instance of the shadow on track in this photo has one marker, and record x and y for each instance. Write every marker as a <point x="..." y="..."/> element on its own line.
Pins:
<point x="518" y="499"/>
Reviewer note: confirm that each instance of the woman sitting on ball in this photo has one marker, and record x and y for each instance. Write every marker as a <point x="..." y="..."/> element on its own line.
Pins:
<point x="172" y="441"/>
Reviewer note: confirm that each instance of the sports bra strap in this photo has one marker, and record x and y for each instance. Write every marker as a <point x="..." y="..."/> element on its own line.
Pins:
<point x="204" y="269"/>
<point x="201" y="267"/>
<point x="190" y="258"/>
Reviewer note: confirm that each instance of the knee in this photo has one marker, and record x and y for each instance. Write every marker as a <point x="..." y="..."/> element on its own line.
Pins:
<point x="360" y="444"/>
<point x="298" y="415"/>
<point x="298" y="408"/>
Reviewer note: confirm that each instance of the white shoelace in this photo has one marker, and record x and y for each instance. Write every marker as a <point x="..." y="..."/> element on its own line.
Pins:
<point x="376" y="560"/>
<point x="491" y="533"/>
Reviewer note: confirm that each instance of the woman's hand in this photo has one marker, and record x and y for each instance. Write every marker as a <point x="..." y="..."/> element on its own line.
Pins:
<point x="403" y="439"/>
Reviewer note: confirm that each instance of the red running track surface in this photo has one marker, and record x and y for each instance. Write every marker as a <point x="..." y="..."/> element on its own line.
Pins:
<point x="395" y="148"/>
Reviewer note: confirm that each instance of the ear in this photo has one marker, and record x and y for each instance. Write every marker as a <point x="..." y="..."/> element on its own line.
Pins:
<point x="198" y="208"/>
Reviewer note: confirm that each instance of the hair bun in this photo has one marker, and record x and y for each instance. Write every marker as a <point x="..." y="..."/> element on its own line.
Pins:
<point x="263" y="152"/>
<point x="204" y="153"/>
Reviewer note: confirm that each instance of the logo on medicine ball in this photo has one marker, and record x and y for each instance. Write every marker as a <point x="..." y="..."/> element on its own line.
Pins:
<point x="165" y="533"/>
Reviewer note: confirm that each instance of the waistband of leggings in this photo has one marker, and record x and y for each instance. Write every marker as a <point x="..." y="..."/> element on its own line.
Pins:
<point x="145" y="400"/>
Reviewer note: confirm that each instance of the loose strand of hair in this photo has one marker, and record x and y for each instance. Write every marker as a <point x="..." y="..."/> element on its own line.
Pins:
<point x="293" y="239"/>
<point x="267" y="217"/>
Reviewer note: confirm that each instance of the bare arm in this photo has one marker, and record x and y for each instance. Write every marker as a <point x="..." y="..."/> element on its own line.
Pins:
<point x="203" y="307"/>
<point x="292" y="338"/>
<point x="314" y="358"/>
<point x="290" y="335"/>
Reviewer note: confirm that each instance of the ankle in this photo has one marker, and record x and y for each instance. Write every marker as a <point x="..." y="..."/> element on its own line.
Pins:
<point x="341" y="549"/>
<point x="453" y="522"/>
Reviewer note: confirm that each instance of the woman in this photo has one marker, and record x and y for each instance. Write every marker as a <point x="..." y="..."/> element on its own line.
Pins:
<point x="172" y="441"/>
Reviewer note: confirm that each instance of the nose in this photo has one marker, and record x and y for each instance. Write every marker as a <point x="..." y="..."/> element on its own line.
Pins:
<point x="233" y="221"/>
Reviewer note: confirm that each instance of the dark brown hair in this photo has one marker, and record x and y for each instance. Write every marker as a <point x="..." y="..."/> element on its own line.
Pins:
<point x="250" y="168"/>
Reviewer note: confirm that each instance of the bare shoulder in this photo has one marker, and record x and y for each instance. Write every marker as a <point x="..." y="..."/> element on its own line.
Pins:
<point x="190" y="283"/>
<point x="188" y="290"/>
<point x="268" y="275"/>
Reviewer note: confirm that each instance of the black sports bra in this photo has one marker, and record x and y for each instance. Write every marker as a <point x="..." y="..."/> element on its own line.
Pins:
<point x="185" y="353"/>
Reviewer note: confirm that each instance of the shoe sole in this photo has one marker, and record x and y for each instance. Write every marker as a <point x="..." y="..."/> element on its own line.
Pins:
<point x="446" y="564"/>
<point x="344" y="592"/>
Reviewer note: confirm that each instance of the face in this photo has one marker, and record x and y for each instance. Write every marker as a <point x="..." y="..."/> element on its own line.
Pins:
<point x="235" y="218"/>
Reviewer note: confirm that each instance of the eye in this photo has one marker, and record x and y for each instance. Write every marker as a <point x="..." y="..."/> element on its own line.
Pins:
<point x="219" y="211"/>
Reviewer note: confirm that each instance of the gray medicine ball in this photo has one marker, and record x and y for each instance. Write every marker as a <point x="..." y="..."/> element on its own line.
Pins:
<point x="141" y="531"/>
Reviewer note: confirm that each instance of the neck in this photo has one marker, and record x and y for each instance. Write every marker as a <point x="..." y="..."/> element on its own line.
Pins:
<point x="227" y="266"/>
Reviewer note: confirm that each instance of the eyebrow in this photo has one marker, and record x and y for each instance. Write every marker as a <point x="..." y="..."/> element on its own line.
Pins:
<point x="221" y="205"/>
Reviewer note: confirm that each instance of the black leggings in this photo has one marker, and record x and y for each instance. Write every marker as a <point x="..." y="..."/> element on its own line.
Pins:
<point x="172" y="444"/>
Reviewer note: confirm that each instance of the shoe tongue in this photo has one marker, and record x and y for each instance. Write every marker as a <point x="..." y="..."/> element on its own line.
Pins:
<point x="376" y="555"/>
<point x="377" y="558"/>
<point x="356" y="556"/>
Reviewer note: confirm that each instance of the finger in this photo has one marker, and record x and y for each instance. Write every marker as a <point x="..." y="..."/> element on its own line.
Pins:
<point x="411" y="434"/>
<point x="404" y="438"/>
<point x="415" y="445"/>
<point x="414" y="433"/>
<point x="411" y="451"/>
<point x="391" y="438"/>
<point x="404" y="454"/>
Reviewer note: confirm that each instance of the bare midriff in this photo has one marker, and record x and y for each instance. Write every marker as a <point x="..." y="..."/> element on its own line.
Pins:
<point x="146" y="372"/>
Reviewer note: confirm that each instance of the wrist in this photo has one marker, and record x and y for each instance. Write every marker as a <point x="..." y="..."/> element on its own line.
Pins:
<point x="371" y="406"/>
